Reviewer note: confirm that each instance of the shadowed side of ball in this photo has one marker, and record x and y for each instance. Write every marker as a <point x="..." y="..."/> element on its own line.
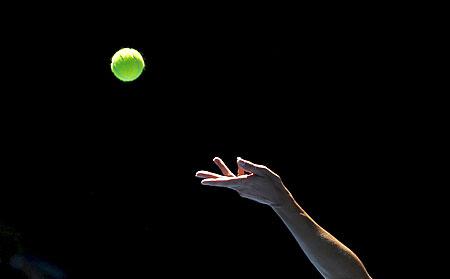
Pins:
<point x="127" y="64"/>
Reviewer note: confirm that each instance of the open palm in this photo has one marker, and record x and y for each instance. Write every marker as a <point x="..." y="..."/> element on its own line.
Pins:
<point x="255" y="182"/>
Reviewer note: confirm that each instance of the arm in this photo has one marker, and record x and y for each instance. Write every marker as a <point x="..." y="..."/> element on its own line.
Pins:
<point x="331" y="258"/>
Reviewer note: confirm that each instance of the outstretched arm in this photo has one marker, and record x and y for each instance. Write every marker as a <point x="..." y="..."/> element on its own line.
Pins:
<point x="256" y="182"/>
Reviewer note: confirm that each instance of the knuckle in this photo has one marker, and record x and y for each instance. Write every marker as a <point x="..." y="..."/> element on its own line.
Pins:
<point x="265" y="170"/>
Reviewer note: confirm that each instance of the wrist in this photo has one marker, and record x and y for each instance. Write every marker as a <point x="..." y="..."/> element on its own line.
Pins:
<point x="287" y="206"/>
<point x="285" y="202"/>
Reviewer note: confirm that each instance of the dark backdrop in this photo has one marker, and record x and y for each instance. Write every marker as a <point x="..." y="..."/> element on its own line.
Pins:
<point x="99" y="174"/>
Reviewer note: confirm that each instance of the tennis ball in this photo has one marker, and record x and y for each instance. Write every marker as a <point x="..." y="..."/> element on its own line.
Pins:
<point x="127" y="64"/>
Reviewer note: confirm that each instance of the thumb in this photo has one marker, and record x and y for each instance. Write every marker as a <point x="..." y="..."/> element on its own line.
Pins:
<point x="251" y="167"/>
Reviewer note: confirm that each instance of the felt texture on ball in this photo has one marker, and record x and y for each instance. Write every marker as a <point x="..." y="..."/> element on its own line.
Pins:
<point x="127" y="64"/>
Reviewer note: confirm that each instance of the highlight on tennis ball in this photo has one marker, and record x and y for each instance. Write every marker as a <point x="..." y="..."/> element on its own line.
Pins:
<point x="127" y="64"/>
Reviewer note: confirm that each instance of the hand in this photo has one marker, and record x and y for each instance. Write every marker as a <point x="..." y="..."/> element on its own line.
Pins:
<point x="259" y="184"/>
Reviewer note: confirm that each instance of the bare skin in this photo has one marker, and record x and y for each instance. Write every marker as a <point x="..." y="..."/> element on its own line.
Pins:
<point x="258" y="183"/>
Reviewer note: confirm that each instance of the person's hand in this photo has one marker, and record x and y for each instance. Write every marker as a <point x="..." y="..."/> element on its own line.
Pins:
<point x="255" y="182"/>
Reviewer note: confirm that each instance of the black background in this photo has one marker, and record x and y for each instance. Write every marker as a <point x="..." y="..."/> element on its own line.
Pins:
<point x="99" y="174"/>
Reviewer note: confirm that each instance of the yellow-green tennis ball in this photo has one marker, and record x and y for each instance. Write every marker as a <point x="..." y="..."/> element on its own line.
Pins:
<point x="127" y="64"/>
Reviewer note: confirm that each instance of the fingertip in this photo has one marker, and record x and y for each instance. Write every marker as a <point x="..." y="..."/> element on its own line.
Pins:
<point x="216" y="159"/>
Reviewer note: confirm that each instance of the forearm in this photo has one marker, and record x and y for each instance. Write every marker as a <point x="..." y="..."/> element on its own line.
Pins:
<point x="332" y="258"/>
<point x="262" y="185"/>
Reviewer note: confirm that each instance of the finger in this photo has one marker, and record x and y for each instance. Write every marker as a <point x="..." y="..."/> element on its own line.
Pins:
<point x="225" y="170"/>
<point x="251" y="167"/>
<point x="229" y="182"/>
<point x="240" y="171"/>
<point x="207" y="174"/>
